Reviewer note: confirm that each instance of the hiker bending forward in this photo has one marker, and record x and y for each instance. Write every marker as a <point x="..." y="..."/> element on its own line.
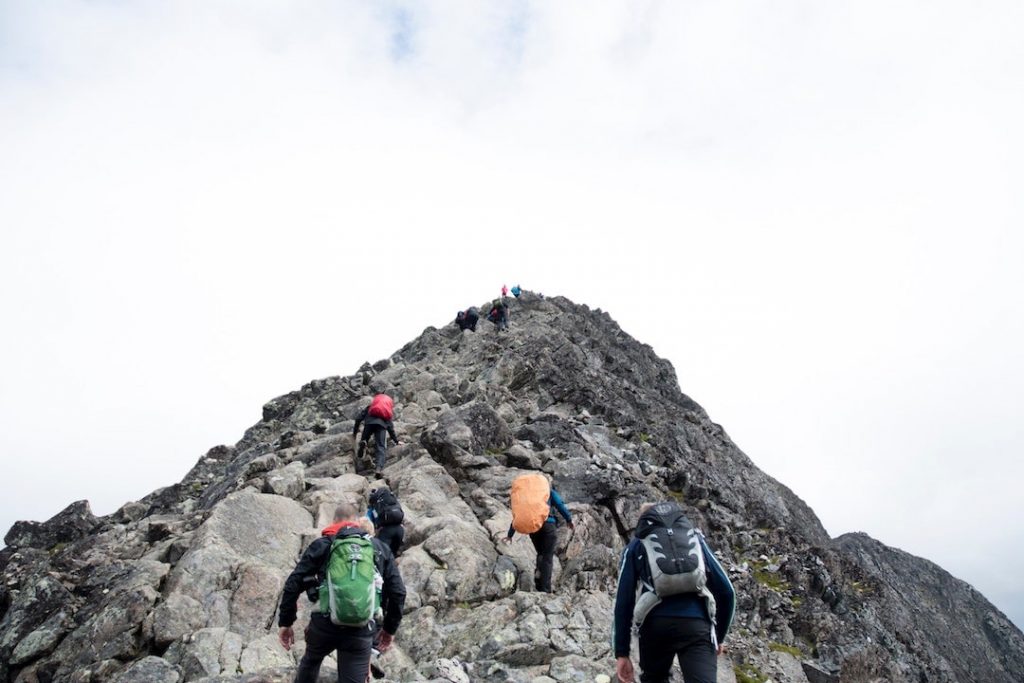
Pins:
<point x="685" y="602"/>
<point x="545" y="539"/>
<point x="340" y="541"/>
<point x="387" y="515"/>
<point x="378" y="423"/>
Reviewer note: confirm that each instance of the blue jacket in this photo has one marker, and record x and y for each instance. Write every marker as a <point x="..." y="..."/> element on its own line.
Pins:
<point x="554" y="503"/>
<point x="635" y="568"/>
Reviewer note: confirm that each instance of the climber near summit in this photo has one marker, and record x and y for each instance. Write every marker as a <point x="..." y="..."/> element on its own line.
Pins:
<point x="685" y="603"/>
<point x="467" y="319"/>
<point x="378" y="417"/>
<point x="504" y="291"/>
<point x="499" y="314"/>
<point x="516" y="291"/>
<point x="357" y="584"/>
<point x="534" y="502"/>
<point x="387" y="515"/>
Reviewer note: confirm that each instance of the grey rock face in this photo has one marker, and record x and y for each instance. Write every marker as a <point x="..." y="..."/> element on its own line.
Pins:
<point x="183" y="585"/>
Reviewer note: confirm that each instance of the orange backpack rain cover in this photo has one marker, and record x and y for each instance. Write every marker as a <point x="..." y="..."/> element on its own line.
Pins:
<point x="382" y="406"/>
<point x="530" y="507"/>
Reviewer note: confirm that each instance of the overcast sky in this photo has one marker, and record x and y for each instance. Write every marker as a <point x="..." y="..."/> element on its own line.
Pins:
<point x="813" y="209"/>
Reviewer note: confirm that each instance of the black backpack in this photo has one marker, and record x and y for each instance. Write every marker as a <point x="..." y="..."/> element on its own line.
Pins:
<point x="387" y="508"/>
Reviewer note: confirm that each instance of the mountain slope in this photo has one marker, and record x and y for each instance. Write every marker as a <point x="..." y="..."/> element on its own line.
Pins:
<point x="183" y="585"/>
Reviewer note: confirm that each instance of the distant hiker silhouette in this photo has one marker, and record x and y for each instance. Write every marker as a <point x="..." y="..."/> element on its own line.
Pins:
<point x="467" y="319"/>
<point x="516" y="291"/>
<point x="534" y="503"/>
<point x="676" y="593"/>
<point x="341" y="570"/>
<point x="378" y="418"/>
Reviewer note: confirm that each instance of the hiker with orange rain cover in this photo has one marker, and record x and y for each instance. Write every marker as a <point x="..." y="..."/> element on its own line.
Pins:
<point x="378" y="418"/>
<point x="534" y="503"/>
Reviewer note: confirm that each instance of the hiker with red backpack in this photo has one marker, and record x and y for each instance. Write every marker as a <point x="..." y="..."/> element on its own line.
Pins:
<point x="673" y="591"/>
<point x="358" y="591"/>
<point x="534" y="503"/>
<point x="378" y="418"/>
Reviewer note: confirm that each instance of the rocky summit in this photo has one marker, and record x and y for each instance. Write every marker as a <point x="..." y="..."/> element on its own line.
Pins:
<point x="184" y="584"/>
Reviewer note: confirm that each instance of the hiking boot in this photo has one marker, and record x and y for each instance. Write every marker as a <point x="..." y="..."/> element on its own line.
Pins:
<point x="379" y="474"/>
<point x="376" y="671"/>
<point x="360" y="449"/>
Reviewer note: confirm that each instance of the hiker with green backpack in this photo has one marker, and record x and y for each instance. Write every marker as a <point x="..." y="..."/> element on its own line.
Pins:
<point x="675" y="594"/>
<point x="358" y="590"/>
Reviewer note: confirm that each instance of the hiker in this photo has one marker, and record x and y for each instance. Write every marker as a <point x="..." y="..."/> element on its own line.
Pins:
<point x="684" y="613"/>
<point x="504" y="292"/>
<point x="378" y="417"/>
<point x="499" y="314"/>
<point x="516" y="291"/>
<point x="386" y="514"/>
<point x="467" y="319"/>
<point x="534" y="502"/>
<point x="347" y="562"/>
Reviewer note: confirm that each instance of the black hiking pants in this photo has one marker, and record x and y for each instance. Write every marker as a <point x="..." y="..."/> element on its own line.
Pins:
<point x="662" y="639"/>
<point x="380" y="438"/>
<point x="545" y="540"/>
<point x="392" y="536"/>
<point x="351" y="643"/>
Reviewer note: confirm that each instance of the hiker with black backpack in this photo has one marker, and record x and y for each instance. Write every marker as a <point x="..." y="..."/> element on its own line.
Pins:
<point x="358" y="590"/>
<point x="534" y="503"/>
<point x="467" y="319"/>
<point x="387" y="515"/>
<point x="685" y="602"/>
<point x="378" y="418"/>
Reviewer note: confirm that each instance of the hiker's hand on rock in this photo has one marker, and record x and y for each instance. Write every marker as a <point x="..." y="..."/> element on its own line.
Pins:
<point x="385" y="641"/>
<point x="721" y="649"/>
<point x="507" y="539"/>
<point x="287" y="637"/>
<point x="572" y="526"/>
<point x="624" y="669"/>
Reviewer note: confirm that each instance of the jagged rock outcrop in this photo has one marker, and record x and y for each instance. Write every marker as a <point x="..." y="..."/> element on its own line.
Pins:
<point x="183" y="585"/>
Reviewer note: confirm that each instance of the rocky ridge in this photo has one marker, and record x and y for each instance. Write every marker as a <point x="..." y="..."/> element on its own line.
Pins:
<point x="183" y="585"/>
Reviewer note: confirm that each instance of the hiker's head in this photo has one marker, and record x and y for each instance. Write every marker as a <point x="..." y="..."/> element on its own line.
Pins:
<point x="346" y="511"/>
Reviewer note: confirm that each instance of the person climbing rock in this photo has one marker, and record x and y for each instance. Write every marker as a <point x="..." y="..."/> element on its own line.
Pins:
<point x="504" y="291"/>
<point x="344" y="561"/>
<point x="534" y="503"/>
<point x="467" y="319"/>
<point x="499" y="314"/>
<point x="378" y="418"/>
<point x="676" y="593"/>
<point x="387" y="515"/>
<point x="516" y="291"/>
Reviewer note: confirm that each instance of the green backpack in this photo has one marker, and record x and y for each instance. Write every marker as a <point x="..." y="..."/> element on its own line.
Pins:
<point x="350" y="594"/>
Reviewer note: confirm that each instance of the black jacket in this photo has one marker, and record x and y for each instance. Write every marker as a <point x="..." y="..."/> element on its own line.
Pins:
<point x="313" y="563"/>
<point x="364" y="416"/>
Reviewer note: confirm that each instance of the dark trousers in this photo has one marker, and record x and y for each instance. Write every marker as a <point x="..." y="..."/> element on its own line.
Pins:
<point x="352" y="645"/>
<point x="544" y="541"/>
<point x="662" y="639"/>
<point x="392" y="536"/>
<point x="380" y="437"/>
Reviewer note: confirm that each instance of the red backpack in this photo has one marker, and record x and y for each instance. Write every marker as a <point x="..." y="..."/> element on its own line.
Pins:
<point x="382" y="406"/>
